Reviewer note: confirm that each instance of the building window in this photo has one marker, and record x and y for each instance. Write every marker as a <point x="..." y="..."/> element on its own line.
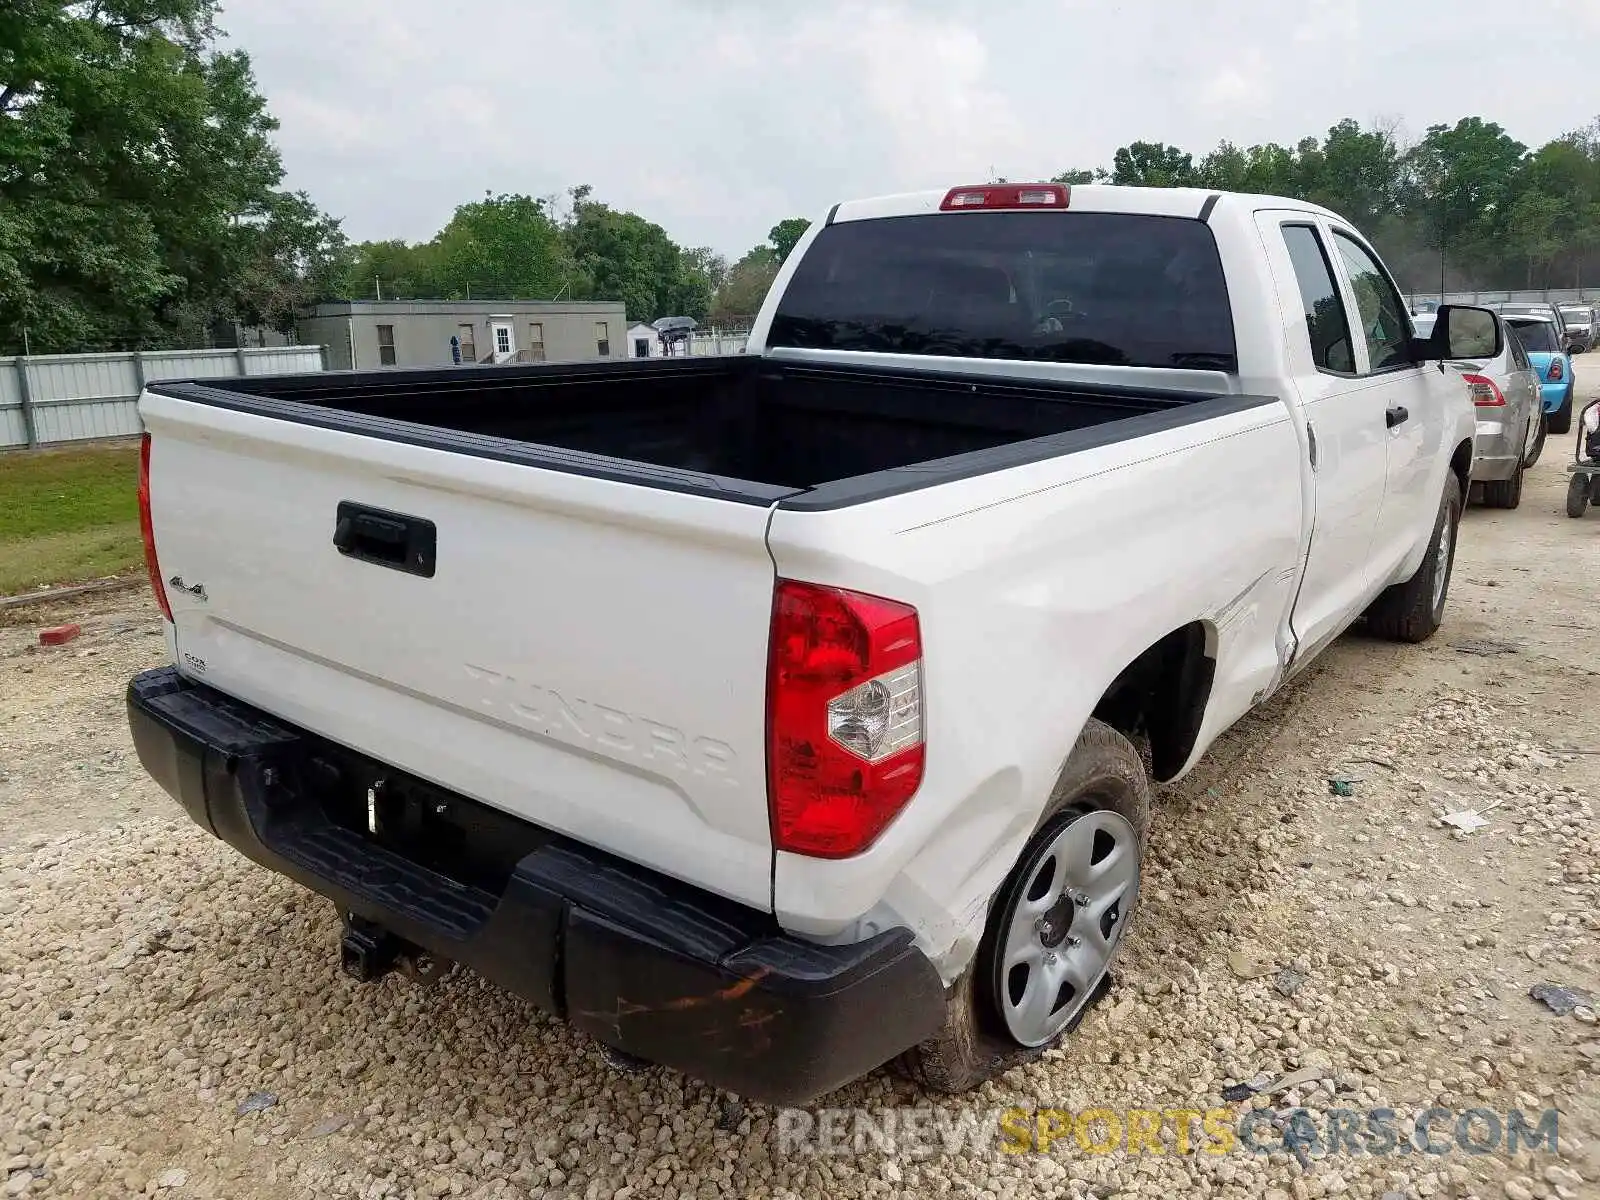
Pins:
<point x="502" y="340"/>
<point x="469" y="343"/>
<point x="641" y="347"/>
<point x="602" y="338"/>
<point x="386" y="345"/>
<point x="536" y="342"/>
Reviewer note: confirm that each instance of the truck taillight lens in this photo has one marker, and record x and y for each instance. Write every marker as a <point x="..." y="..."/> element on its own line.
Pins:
<point x="148" y="530"/>
<point x="844" y="717"/>
<point x="1556" y="372"/>
<point x="1484" y="392"/>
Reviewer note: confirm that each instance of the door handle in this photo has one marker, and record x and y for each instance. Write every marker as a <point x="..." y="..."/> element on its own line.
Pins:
<point x="1396" y="416"/>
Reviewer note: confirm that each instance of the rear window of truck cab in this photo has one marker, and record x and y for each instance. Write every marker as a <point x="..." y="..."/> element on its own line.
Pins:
<point x="1116" y="289"/>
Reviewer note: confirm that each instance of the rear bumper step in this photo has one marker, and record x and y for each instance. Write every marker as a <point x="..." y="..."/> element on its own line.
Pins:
<point x="645" y="964"/>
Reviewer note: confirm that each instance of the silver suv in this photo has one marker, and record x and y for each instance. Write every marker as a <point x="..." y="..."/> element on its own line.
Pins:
<point x="1580" y="322"/>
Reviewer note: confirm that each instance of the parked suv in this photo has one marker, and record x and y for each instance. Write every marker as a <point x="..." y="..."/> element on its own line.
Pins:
<point x="1580" y="322"/>
<point x="1535" y="308"/>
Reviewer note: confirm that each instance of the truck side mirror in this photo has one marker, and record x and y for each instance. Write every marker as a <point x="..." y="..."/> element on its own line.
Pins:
<point x="1460" y="331"/>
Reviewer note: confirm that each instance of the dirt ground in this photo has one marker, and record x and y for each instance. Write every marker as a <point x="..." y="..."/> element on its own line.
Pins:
<point x="172" y="1020"/>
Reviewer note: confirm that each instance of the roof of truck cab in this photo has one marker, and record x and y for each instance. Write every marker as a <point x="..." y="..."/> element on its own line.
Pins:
<point x="1085" y="197"/>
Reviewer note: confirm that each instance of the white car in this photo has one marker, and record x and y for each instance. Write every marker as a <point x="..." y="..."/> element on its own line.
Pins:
<point x="773" y="717"/>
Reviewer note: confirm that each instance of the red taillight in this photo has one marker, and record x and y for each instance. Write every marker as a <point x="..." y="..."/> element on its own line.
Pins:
<point x="1008" y="195"/>
<point x="148" y="529"/>
<point x="844" y="717"/>
<point x="1484" y="392"/>
<point x="1555" y="371"/>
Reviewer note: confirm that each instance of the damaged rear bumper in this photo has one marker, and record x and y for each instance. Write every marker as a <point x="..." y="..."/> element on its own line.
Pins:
<point x="641" y="962"/>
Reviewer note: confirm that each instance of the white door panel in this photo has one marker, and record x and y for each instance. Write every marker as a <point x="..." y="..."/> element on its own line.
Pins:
<point x="1408" y="399"/>
<point x="1344" y="412"/>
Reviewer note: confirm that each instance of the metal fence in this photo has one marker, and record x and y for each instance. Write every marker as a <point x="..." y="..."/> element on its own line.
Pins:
<point x="712" y="343"/>
<point x="73" y="397"/>
<point x="1531" y="296"/>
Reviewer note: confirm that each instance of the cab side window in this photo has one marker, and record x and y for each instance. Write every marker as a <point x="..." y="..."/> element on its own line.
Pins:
<point x="1384" y="324"/>
<point x="1326" y="322"/>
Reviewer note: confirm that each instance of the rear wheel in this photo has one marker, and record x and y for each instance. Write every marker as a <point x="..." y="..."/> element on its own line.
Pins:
<point x="1504" y="493"/>
<point x="1577" y="495"/>
<point x="1055" y="925"/>
<point x="1560" y="421"/>
<point x="1412" y="611"/>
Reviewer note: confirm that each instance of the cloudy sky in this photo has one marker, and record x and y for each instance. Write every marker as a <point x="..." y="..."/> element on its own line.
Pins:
<point x="716" y="118"/>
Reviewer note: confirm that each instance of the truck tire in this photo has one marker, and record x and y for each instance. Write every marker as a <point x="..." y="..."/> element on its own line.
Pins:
<point x="1504" y="493"/>
<point x="1104" y="791"/>
<point x="1561" y="419"/>
<point x="1577" y="495"/>
<point x="1412" y="611"/>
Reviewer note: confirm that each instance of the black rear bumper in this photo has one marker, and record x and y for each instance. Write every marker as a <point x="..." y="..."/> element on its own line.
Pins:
<point x="641" y="962"/>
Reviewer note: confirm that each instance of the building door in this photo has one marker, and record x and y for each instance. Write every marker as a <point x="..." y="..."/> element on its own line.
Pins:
<point x="505" y="342"/>
<point x="641" y="347"/>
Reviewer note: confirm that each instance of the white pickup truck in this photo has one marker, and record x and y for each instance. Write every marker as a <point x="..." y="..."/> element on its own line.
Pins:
<point x="776" y="716"/>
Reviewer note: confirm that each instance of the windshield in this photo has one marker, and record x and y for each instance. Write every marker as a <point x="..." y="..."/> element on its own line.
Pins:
<point x="1105" y="288"/>
<point x="1577" y="316"/>
<point x="1537" y="336"/>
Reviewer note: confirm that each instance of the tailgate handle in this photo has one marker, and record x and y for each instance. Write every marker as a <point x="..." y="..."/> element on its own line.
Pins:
<point x="385" y="539"/>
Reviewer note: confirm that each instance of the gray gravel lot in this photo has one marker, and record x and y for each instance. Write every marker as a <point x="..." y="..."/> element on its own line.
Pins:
<point x="172" y="1020"/>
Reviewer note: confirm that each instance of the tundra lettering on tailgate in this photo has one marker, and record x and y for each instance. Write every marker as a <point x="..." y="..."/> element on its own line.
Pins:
<point x="585" y="722"/>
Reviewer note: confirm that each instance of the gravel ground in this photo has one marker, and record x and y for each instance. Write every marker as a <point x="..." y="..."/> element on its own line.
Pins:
<point x="172" y="1020"/>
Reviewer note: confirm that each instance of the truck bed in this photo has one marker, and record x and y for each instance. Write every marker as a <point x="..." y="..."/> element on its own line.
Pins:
<point x="738" y="428"/>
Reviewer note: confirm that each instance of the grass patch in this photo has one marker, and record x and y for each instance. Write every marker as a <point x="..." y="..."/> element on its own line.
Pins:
<point x="61" y="558"/>
<point x="68" y="515"/>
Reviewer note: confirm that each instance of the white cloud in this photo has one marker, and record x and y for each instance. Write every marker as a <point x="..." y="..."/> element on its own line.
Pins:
<point x="717" y="118"/>
<point x="1245" y="84"/>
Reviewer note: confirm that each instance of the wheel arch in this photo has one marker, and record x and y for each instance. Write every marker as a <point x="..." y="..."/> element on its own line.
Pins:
<point x="1159" y="699"/>
<point x="1461" y="467"/>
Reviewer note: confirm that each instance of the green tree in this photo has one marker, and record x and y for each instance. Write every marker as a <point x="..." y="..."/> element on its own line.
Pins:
<point x="393" y="270"/>
<point x="1557" y="207"/>
<point x="506" y="246"/>
<point x="138" y="179"/>
<point x="625" y="257"/>
<point x="749" y="279"/>
<point x="786" y="235"/>
<point x="291" y="257"/>
<point x="1078" y="175"/>
<point x="1355" y="172"/>
<point x="1534" y="225"/>
<point x="1152" y="164"/>
<point x="705" y="272"/>
<point x="1461" y="180"/>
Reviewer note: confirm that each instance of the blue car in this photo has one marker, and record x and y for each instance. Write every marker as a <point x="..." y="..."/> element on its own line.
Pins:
<point x="1542" y="340"/>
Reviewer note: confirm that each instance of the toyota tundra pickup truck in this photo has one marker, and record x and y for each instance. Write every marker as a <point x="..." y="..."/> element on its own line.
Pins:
<point x="775" y="717"/>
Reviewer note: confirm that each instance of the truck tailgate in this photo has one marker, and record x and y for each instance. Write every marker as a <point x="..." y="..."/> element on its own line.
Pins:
<point x="586" y="654"/>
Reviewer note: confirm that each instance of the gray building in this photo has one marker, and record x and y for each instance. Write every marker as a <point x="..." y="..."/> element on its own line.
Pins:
<point x="417" y="333"/>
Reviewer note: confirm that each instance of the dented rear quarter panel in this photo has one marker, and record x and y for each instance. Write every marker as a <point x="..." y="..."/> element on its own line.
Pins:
<point x="1034" y="588"/>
